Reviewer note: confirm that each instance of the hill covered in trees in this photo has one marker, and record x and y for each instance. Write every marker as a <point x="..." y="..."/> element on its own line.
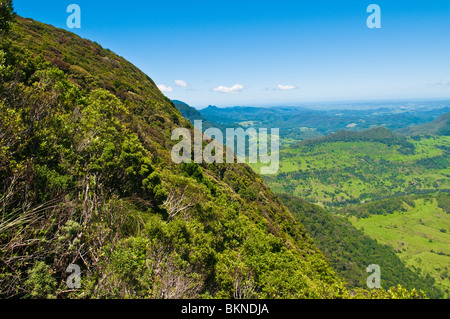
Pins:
<point x="315" y="121"/>
<point x="439" y="127"/>
<point x="378" y="135"/>
<point x="191" y="114"/>
<point x="417" y="227"/>
<point x="86" y="178"/>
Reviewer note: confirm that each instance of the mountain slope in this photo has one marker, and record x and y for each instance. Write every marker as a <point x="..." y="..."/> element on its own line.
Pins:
<point x="191" y="114"/>
<point x="86" y="178"/>
<point x="439" y="127"/>
<point x="187" y="111"/>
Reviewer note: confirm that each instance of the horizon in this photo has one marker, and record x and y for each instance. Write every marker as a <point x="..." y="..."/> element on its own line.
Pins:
<point x="261" y="53"/>
<point x="340" y="105"/>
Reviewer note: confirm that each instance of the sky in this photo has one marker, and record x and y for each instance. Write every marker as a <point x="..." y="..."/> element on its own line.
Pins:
<point x="260" y="53"/>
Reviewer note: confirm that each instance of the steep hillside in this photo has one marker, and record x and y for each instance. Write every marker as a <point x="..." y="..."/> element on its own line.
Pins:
<point x="86" y="178"/>
<point x="187" y="111"/>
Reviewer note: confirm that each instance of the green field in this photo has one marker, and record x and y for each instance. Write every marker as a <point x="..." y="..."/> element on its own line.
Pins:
<point x="340" y="173"/>
<point x="420" y="235"/>
<point x="388" y="186"/>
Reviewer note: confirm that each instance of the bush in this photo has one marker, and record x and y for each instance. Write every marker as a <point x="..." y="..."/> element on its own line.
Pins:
<point x="41" y="283"/>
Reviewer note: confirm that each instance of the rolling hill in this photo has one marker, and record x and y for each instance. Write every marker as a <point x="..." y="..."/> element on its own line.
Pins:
<point x="349" y="249"/>
<point x="439" y="127"/>
<point x="417" y="227"/>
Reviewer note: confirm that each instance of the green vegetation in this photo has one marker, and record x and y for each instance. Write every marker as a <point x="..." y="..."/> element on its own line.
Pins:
<point x="443" y="201"/>
<point x="301" y="123"/>
<point x="377" y="135"/>
<point x="440" y="126"/>
<point x="6" y="15"/>
<point x="347" y="168"/>
<point x="86" y="178"/>
<point x="369" y="177"/>
<point x="350" y="250"/>
<point x="419" y="232"/>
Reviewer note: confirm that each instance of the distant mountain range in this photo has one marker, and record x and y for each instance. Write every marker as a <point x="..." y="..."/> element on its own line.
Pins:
<point x="297" y="123"/>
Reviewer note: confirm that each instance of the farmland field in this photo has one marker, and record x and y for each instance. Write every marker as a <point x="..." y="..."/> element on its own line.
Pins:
<point x="419" y="234"/>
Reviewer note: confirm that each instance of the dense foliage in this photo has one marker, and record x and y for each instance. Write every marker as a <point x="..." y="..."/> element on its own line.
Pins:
<point x="86" y="178"/>
<point x="380" y="207"/>
<point x="444" y="202"/>
<point x="6" y="15"/>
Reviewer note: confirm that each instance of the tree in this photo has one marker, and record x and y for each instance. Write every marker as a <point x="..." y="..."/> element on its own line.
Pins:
<point x="7" y="14"/>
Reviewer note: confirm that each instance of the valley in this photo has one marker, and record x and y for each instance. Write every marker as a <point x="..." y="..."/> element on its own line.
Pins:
<point x="419" y="233"/>
<point x="338" y="173"/>
<point x="392" y="186"/>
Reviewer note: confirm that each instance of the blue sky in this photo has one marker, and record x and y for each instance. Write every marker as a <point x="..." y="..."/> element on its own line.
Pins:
<point x="228" y="53"/>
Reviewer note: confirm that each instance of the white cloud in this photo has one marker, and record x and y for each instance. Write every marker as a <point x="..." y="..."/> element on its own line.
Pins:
<point x="286" y="87"/>
<point x="165" y="88"/>
<point x="181" y="83"/>
<point x="440" y="83"/>
<point x="234" y="89"/>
